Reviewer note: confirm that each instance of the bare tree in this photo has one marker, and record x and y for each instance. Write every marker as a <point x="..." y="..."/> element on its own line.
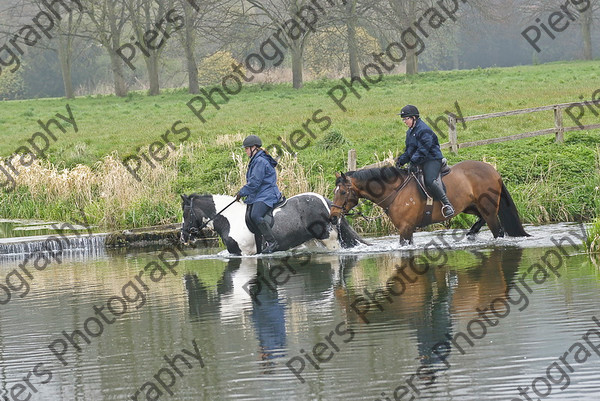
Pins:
<point x="282" y="16"/>
<point x="60" y="36"/>
<point x="106" y="20"/>
<point x="150" y="18"/>
<point x="584" y="12"/>
<point x="209" y="19"/>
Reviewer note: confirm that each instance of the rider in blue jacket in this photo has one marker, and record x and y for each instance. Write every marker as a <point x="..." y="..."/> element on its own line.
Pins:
<point x="423" y="150"/>
<point x="261" y="190"/>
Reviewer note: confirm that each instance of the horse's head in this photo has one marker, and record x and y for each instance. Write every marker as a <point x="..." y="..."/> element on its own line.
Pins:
<point x="345" y="197"/>
<point x="193" y="217"/>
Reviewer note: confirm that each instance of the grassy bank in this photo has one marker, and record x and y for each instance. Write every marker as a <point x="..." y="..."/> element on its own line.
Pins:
<point x="550" y="182"/>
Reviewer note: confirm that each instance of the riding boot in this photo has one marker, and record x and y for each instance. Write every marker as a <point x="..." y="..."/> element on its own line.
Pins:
<point x="271" y="244"/>
<point x="438" y="192"/>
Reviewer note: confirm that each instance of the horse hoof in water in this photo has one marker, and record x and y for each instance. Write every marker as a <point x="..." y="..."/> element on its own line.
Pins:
<point x="404" y="242"/>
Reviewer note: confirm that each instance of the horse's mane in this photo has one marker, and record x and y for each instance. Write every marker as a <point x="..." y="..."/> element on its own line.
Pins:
<point x="196" y="195"/>
<point x="380" y="173"/>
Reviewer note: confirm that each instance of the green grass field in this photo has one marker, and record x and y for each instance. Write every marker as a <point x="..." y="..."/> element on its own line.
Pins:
<point x="550" y="182"/>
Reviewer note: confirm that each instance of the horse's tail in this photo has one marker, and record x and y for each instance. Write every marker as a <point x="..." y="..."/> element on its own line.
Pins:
<point x="509" y="216"/>
<point x="347" y="236"/>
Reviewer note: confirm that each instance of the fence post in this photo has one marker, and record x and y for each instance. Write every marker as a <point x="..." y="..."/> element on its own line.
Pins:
<point x="352" y="160"/>
<point x="558" y="124"/>
<point x="452" y="136"/>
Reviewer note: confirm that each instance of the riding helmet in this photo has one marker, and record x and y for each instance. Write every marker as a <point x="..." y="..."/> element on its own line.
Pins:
<point x="252" y="140"/>
<point x="409" y="111"/>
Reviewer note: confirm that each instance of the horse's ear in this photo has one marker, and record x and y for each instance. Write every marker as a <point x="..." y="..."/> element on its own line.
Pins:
<point x="338" y="175"/>
<point x="343" y="176"/>
<point x="184" y="198"/>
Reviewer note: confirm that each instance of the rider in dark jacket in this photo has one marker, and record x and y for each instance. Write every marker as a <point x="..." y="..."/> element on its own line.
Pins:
<point x="261" y="190"/>
<point x="423" y="150"/>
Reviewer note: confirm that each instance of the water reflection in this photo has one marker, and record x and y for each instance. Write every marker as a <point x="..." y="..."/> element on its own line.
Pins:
<point x="268" y="315"/>
<point x="430" y="299"/>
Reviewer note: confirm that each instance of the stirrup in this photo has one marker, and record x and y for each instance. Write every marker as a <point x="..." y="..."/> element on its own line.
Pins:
<point x="447" y="211"/>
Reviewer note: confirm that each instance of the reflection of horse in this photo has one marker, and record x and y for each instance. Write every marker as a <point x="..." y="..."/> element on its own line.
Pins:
<point x="473" y="187"/>
<point x="304" y="217"/>
<point x="429" y="303"/>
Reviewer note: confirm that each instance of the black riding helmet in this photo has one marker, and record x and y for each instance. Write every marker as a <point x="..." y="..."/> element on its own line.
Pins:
<point x="409" y="111"/>
<point x="252" y="140"/>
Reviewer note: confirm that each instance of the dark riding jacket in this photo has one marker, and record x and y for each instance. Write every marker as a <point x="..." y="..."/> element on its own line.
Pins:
<point x="261" y="179"/>
<point x="421" y="145"/>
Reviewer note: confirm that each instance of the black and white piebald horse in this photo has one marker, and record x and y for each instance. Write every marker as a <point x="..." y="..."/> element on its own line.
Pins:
<point x="302" y="218"/>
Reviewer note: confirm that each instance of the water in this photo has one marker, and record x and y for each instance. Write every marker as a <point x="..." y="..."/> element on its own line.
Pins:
<point x="19" y="228"/>
<point x="248" y="328"/>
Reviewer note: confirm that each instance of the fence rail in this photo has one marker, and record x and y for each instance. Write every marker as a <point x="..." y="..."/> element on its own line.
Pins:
<point x="559" y="128"/>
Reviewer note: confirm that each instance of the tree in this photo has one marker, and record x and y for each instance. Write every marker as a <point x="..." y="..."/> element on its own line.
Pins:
<point x="106" y="20"/>
<point x="283" y="16"/>
<point x="583" y="11"/>
<point x="208" y="19"/>
<point x="61" y="36"/>
<point x="148" y="17"/>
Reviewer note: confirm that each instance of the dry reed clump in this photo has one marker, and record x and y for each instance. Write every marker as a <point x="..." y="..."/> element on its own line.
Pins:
<point x="230" y="140"/>
<point x="106" y="190"/>
<point x="48" y="182"/>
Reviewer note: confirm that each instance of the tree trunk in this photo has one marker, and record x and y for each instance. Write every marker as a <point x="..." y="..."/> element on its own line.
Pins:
<point x="117" y="70"/>
<point x="152" y="66"/>
<point x="111" y="43"/>
<point x="64" y="56"/>
<point x="297" y="66"/>
<point x="192" y="68"/>
<point x="189" y="44"/>
<point x="586" y="33"/>
<point x="352" y="44"/>
<point x="412" y="59"/>
<point x="412" y="62"/>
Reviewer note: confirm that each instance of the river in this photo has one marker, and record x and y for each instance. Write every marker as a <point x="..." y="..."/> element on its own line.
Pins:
<point x="446" y="319"/>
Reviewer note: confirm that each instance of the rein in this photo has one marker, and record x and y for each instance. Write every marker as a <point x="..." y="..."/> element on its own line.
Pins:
<point x="385" y="203"/>
<point x="196" y="230"/>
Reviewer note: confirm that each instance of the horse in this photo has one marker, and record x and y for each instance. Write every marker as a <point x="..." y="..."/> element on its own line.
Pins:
<point x="473" y="187"/>
<point x="302" y="218"/>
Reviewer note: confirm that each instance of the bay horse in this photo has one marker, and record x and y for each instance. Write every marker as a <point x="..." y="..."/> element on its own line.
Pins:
<point x="473" y="187"/>
<point x="302" y="218"/>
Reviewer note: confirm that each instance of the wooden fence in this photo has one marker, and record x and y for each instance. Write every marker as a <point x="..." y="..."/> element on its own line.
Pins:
<point x="558" y="130"/>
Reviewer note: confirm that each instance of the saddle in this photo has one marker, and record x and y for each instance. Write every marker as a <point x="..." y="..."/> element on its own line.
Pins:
<point x="444" y="171"/>
<point x="268" y="217"/>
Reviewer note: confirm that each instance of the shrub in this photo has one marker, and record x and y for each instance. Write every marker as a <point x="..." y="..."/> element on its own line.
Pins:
<point x="11" y="85"/>
<point x="213" y="68"/>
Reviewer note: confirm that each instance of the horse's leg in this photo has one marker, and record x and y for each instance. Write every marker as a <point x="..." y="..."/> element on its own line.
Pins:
<point x="489" y="211"/>
<point x="476" y="227"/>
<point x="406" y="234"/>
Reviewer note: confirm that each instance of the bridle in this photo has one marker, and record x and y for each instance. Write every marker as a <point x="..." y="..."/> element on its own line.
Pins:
<point x="193" y="230"/>
<point x="385" y="203"/>
<point x="349" y="191"/>
<point x="196" y="230"/>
